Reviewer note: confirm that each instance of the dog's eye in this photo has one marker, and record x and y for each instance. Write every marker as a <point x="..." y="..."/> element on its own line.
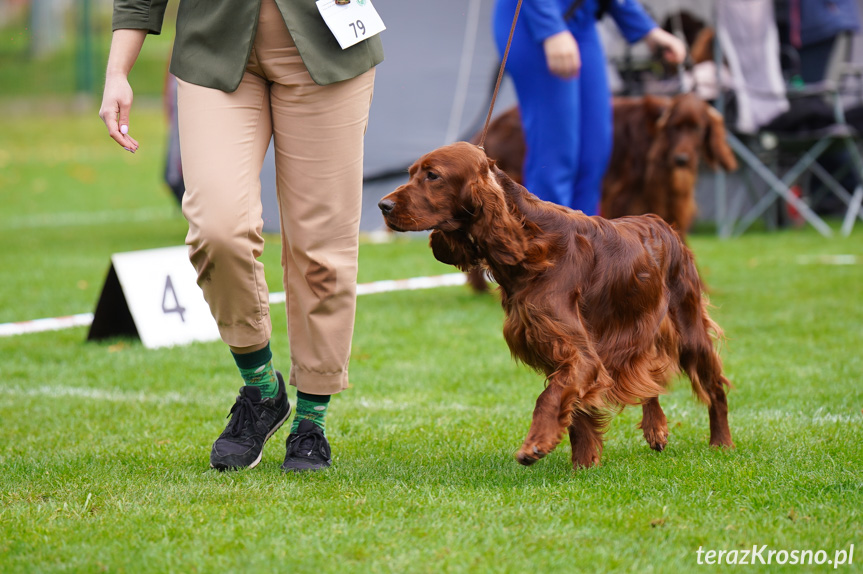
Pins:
<point x="431" y="176"/>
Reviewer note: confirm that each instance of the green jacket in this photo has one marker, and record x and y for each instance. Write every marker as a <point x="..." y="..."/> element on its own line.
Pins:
<point x="214" y="39"/>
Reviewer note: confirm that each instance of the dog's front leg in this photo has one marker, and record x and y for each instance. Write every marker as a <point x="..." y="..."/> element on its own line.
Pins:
<point x="579" y="385"/>
<point x="545" y="429"/>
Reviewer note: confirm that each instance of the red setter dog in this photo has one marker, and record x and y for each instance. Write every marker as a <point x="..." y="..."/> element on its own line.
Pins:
<point x="607" y="310"/>
<point x="658" y="142"/>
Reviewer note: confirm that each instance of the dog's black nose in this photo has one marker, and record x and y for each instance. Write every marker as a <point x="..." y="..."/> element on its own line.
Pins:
<point x="386" y="205"/>
<point x="681" y="159"/>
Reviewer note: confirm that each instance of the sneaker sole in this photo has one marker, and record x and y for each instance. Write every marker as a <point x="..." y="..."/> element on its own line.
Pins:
<point x="261" y="454"/>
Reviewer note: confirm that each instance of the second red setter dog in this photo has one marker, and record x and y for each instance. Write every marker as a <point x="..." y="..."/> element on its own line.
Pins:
<point x="607" y="310"/>
<point x="658" y="143"/>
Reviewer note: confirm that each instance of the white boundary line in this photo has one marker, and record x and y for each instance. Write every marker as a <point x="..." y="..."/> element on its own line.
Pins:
<point x="112" y="395"/>
<point x="140" y="215"/>
<point x="85" y="319"/>
<point x="841" y="259"/>
<point x="50" y="324"/>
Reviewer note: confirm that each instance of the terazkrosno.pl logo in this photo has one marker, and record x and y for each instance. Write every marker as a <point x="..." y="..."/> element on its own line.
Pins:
<point x="763" y="555"/>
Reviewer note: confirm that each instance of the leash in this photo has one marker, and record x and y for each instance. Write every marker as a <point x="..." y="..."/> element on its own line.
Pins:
<point x="499" y="76"/>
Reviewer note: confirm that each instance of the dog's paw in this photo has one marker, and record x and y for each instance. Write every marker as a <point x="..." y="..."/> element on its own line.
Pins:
<point x="586" y="454"/>
<point x="585" y="460"/>
<point x="721" y="442"/>
<point x="656" y="438"/>
<point x="529" y="455"/>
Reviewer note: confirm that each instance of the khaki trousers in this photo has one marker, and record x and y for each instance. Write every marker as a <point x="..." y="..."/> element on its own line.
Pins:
<point x="318" y="137"/>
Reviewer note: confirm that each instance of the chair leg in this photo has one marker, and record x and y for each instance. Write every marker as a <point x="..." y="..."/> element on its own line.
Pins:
<point x="853" y="211"/>
<point x="832" y="185"/>
<point x="780" y="187"/>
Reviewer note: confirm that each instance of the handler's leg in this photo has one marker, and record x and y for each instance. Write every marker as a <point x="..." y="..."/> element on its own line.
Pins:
<point x="319" y="151"/>
<point x="595" y="125"/>
<point x="224" y="138"/>
<point x="319" y="161"/>
<point x="319" y="134"/>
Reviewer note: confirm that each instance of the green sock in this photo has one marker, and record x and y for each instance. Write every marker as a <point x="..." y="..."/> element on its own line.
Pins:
<point x="311" y="407"/>
<point x="257" y="370"/>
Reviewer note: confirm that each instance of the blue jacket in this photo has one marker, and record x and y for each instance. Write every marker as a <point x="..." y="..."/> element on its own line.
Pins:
<point x="544" y="18"/>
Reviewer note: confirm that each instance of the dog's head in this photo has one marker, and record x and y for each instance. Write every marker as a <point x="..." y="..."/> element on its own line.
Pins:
<point x="453" y="191"/>
<point x="691" y="129"/>
<point x="439" y="193"/>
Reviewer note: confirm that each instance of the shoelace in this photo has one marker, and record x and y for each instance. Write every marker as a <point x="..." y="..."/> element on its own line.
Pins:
<point x="305" y="444"/>
<point x="242" y="412"/>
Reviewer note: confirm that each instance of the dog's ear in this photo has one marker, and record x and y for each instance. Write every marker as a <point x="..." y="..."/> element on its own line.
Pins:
<point x="702" y="46"/>
<point x="453" y="248"/>
<point x="656" y="111"/>
<point x="494" y="225"/>
<point x="716" y="150"/>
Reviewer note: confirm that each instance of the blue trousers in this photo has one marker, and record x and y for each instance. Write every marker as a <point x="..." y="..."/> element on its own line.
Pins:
<point x="567" y="123"/>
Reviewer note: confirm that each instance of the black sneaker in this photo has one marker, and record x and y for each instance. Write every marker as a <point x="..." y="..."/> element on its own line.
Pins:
<point x="307" y="448"/>
<point x="253" y="421"/>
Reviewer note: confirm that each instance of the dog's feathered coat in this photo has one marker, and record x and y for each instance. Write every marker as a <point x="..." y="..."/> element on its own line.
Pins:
<point x="607" y="310"/>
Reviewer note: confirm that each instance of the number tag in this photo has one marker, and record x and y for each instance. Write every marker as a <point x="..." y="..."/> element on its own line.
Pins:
<point x="351" y="23"/>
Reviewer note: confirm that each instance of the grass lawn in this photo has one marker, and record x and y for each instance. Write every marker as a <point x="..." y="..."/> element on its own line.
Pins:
<point x="104" y="447"/>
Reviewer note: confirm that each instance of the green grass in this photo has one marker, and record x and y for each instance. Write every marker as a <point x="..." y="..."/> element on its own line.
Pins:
<point x="104" y="446"/>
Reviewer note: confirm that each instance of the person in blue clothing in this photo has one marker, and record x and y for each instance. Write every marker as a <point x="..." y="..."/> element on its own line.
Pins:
<point x="557" y="64"/>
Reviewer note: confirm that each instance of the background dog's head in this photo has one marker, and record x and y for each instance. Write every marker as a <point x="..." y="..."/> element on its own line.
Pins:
<point x="689" y="130"/>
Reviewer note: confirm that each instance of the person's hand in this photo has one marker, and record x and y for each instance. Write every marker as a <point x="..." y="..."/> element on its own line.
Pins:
<point x="562" y="55"/>
<point x="672" y="48"/>
<point x="116" y="103"/>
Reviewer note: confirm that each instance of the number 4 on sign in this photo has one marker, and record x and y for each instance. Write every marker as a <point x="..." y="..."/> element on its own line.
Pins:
<point x="177" y="308"/>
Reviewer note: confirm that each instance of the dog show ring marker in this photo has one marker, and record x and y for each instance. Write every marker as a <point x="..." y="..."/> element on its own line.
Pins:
<point x="154" y="295"/>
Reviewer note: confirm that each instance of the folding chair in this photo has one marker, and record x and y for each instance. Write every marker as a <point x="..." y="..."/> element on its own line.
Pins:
<point x="748" y="40"/>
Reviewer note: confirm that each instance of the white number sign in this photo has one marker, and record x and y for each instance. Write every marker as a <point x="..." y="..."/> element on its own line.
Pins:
<point x="162" y="293"/>
<point x="351" y="23"/>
